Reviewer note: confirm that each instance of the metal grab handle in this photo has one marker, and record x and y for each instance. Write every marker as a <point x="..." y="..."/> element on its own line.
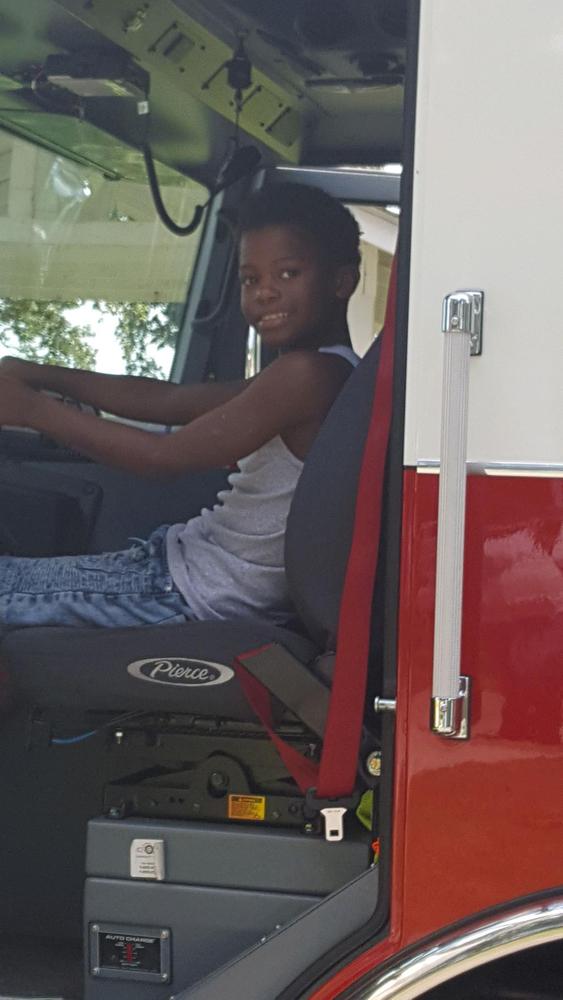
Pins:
<point x="461" y="325"/>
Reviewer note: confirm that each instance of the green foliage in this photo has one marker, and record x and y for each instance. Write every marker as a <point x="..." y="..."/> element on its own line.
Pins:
<point x="42" y="331"/>
<point x="140" y="324"/>
<point x="39" y="331"/>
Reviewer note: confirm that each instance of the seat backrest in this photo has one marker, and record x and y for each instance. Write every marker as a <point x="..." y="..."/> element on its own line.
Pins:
<point x="321" y="519"/>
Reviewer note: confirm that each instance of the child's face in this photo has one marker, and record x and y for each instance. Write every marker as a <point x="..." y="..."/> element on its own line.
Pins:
<point x="289" y="292"/>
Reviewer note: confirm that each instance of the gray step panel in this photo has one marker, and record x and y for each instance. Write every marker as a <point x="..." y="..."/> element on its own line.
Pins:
<point x="208" y="927"/>
<point x="263" y="972"/>
<point x="229" y="856"/>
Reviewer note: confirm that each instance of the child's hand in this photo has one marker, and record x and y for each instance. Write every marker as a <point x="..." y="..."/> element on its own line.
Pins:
<point x="17" y="368"/>
<point x="16" y="401"/>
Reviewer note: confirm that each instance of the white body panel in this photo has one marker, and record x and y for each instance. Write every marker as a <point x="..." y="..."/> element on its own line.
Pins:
<point x="488" y="214"/>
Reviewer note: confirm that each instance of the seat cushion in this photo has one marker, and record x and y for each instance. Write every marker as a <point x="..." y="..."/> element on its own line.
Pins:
<point x="177" y="668"/>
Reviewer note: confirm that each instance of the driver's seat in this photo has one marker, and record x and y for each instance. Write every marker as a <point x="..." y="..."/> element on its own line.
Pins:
<point x="183" y="674"/>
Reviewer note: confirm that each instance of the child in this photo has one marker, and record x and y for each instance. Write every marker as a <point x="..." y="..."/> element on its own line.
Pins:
<point x="298" y="263"/>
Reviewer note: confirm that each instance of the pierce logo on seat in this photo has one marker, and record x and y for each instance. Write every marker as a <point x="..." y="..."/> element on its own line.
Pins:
<point x="180" y="670"/>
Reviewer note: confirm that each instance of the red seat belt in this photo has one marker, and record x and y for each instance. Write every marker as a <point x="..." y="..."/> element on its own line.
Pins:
<point x="304" y="771"/>
<point x="336" y="776"/>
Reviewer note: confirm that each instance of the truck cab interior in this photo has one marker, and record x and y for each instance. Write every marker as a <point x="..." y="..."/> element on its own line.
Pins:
<point x="151" y="835"/>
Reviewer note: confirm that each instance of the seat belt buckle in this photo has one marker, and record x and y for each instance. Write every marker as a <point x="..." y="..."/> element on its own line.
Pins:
<point x="332" y="811"/>
<point x="334" y="822"/>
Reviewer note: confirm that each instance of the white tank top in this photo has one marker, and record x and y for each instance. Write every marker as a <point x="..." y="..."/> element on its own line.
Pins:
<point x="229" y="561"/>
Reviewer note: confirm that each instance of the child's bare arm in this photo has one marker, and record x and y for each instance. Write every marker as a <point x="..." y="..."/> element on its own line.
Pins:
<point x="295" y="390"/>
<point x="133" y="397"/>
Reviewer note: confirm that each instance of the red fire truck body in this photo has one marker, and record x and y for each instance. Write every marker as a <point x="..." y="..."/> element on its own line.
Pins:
<point x="477" y="823"/>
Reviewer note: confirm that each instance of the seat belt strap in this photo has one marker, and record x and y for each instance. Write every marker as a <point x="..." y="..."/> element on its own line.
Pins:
<point x="341" y="745"/>
<point x="303" y="771"/>
<point x="291" y="682"/>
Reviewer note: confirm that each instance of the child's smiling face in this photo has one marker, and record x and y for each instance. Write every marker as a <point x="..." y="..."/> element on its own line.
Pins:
<point x="290" y="293"/>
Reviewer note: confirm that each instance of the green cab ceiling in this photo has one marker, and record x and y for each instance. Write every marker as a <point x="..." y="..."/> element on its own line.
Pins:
<point x="326" y="82"/>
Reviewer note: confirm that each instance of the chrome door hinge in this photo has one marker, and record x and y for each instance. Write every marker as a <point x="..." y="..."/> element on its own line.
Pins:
<point x="462" y="312"/>
<point x="450" y="716"/>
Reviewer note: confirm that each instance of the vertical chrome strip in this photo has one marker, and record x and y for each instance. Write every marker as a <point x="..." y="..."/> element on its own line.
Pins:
<point x="461" y="325"/>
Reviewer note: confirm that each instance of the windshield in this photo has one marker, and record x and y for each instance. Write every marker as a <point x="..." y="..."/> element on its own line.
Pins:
<point x="89" y="276"/>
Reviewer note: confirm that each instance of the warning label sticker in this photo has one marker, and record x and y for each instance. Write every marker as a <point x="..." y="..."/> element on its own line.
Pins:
<point x="247" y="807"/>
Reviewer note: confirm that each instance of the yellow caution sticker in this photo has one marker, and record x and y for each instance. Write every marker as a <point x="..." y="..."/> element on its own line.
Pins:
<point x="250" y="807"/>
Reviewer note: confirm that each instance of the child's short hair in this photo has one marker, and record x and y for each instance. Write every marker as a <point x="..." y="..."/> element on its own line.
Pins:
<point x="330" y="224"/>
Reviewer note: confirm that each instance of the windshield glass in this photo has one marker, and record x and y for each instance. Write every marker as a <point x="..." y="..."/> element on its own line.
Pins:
<point x="89" y="276"/>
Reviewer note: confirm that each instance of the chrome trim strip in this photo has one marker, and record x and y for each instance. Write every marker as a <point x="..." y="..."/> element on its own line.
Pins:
<point x="367" y="186"/>
<point x="458" y="952"/>
<point x="498" y="468"/>
<point x="457" y="324"/>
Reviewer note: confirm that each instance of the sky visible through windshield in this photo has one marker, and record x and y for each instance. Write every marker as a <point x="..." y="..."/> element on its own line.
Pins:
<point x="109" y="358"/>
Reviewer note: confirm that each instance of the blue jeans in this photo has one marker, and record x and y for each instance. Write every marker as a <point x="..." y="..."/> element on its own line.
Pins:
<point x="132" y="587"/>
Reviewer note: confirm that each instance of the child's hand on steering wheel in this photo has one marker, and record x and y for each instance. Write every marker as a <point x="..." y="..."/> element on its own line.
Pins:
<point x="18" y="368"/>
<point x="16" y="402"/>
